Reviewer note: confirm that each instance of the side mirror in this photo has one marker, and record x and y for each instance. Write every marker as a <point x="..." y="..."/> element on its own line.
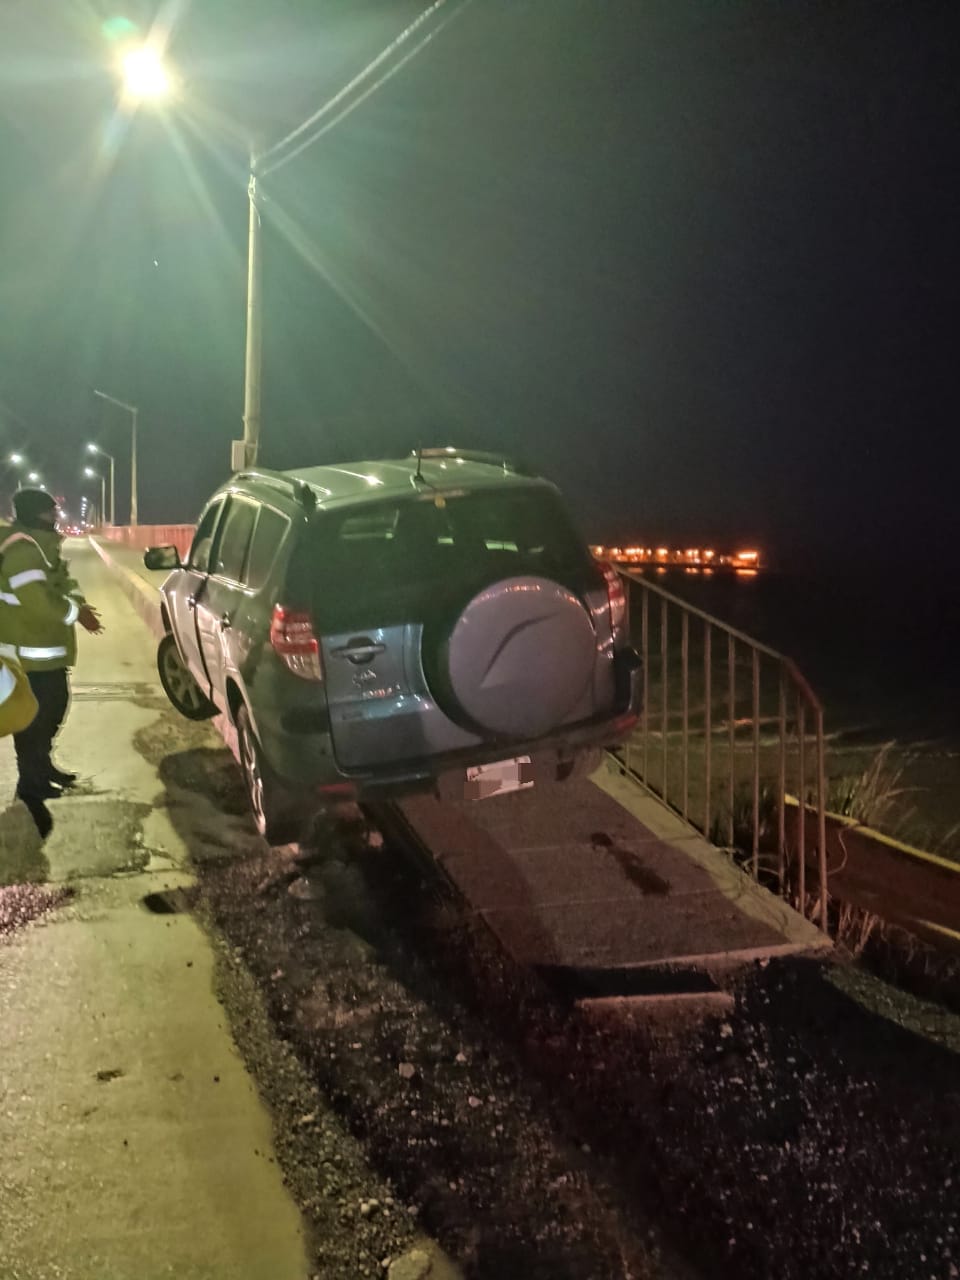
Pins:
<point x="161" y="558"/>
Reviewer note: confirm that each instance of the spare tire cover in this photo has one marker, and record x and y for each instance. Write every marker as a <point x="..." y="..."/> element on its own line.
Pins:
<point x="520" y="656"/>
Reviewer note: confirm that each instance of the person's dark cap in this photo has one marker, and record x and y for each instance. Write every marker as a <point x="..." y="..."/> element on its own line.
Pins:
<point x="28" y="504"/>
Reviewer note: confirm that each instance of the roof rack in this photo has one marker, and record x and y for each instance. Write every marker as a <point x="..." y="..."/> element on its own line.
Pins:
<point x="303" y="493"/>
<point x="474" y="455"/>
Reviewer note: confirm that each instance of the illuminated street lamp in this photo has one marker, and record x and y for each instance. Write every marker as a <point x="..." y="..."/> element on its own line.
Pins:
<point x="98" y="475"/>
<point x="19" y="461"/>
<point x="146" y="79"/>
<point x="33" y="477"/>
<point x="95" y="448"/>
<point x="144" y="76"/>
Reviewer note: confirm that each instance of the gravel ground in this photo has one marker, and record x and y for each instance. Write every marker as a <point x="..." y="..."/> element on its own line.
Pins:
<point x="22" y="903"/>
<point x="812" y="1130"/>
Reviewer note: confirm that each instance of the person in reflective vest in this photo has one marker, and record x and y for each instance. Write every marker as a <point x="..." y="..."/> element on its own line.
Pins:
<point x="40" y="605"/>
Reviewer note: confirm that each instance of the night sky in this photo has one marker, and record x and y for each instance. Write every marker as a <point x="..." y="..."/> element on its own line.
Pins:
<point x="698" y="262"/>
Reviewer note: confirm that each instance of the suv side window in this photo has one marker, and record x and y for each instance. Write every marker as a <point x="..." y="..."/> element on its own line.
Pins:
<point x="231" y="549"/>
<point x="267" y="538"/>
<point x="202" y="545"/>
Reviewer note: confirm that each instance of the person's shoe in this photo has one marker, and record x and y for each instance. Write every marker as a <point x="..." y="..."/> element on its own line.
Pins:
<point x="61" y="778"/>
<point x="43" y="820"/>
<point x="38" y="791"/>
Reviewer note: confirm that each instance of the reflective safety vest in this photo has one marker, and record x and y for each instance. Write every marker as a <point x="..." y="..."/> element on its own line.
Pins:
<point x="39" y="602"/>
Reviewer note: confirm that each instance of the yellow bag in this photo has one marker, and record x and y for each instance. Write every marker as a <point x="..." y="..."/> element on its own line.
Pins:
<point x="18" y="705"/>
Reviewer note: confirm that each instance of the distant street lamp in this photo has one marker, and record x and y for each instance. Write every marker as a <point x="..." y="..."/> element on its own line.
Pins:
<point x="19" y="461"/>
<point x="98" y="475"/>
<point x="95" y="448"/>
<point x="133" y="411"/>
<point x="33" y="477"/>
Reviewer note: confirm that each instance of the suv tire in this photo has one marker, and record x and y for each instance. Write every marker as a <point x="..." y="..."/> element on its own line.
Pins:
<point x="179" y="685"/>
<point x="270" y="806"/>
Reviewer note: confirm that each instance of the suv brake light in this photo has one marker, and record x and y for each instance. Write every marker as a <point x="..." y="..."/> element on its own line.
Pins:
<point x="616" y="598"/>
<point x="293" y="640"/>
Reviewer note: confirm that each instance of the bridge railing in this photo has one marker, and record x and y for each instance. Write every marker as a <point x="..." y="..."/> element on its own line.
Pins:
<point x="142" y="536"/>
<point x="731" y="737"/>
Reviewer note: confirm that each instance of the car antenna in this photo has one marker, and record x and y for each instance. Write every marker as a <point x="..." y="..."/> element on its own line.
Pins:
<point x="419" y="476"/>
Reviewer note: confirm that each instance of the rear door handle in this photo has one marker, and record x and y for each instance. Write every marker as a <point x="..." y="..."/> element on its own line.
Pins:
<point x="359" y="650"/>
<point x="225" y="622"/>
<point x="191" y="602"/>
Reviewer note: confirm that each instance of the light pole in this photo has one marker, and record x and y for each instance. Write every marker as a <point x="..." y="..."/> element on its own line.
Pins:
<point x="95" y="448"/>
<point x="133" y="411"/>
<point x="98" y="475"/>
<point x="146" y="79"/>
<point x="246" y="454"/>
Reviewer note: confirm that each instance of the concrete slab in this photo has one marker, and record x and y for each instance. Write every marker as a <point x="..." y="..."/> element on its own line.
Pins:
<point x="594" y="876"/>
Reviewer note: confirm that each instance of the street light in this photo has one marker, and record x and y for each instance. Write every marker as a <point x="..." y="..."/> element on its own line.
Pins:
<point x="33" y="477"/>
<point x="133" y="411"/>
<point x="19" y="461"/>
<point x="95" y="448"/>
<point x="145" y="78"/>
<point x="98" y="475"/>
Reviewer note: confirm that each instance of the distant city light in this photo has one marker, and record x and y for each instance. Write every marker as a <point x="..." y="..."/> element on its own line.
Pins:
<point x="691" y="559"/>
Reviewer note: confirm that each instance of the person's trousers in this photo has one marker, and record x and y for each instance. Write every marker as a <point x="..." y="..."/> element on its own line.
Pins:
<point x="34" y="745"/>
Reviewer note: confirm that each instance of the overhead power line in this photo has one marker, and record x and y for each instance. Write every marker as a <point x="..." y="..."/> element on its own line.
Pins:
<point x="319" y="116"/>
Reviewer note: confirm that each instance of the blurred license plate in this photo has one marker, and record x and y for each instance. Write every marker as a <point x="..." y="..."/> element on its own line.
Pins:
<point x="494" y="779"/>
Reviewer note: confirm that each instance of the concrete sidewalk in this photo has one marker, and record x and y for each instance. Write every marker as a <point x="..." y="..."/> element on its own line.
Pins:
<point x="591" y="881"/>
<point x="133" y="1141"/>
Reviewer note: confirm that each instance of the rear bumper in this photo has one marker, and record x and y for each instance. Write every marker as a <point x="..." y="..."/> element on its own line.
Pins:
<point x="312" y="768"/>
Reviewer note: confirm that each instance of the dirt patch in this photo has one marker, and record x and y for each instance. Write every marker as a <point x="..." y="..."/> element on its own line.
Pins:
<point x="20" y="904"/>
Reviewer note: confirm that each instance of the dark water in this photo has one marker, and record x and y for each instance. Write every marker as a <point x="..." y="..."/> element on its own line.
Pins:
<point x="881" y="649"/>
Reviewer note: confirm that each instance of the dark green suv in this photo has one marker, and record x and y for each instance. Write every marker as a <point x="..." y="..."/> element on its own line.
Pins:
<point x="381" y="627"/>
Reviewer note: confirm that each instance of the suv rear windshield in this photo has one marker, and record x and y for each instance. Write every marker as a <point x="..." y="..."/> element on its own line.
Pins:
<point x="405" y="560"/>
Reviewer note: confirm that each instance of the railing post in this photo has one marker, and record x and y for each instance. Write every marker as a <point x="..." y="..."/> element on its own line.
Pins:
<point x="707" y="723"/>
<point x="685" y="709"/>
<point x="822" y="823"/>
<point x="802" y="813"/>
<point x="664" y="692"/>
<point x="782" y="782"/>
<point x="755" y="711"/>
<point x="645" y="674"/>
<point x="731" y="731"/>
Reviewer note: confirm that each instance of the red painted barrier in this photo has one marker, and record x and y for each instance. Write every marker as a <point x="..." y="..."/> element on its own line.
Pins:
<point x="150" y="535"/>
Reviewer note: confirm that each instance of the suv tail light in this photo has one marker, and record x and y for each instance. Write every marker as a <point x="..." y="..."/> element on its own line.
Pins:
<point x="292" y="638"/>
<point x="616" y="598"/>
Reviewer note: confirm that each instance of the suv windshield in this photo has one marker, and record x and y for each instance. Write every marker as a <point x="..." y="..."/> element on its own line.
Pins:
<point x="403" y="560"/>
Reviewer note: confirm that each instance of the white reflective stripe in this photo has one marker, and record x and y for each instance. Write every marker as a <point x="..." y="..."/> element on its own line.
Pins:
<point x="73" y="613"/>
<point x="8" y="598"/>
<point x="8" y="651"/>
<point x="36" y="654"/>
<point x="25" y="537"/>
<point x="8" y="682"/>
<point x="29" y="575"/>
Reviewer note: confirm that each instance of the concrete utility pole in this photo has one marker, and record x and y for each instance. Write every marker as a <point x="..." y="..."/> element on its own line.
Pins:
<point x="134" y="412"/>
<point x="245" y="451"/>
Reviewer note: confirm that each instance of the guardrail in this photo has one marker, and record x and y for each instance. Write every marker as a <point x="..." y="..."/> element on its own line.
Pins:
<point x="729" y="731"/>
<point x="150" y="535"/>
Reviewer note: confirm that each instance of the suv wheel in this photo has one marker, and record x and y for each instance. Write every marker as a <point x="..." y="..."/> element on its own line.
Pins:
<point x="270" y="806"/>
<point x="179" y="685"/>
<point x="517" y="660"/>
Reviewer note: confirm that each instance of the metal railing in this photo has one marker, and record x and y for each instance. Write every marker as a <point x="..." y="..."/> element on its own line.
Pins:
<point x="729" y="731"/>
